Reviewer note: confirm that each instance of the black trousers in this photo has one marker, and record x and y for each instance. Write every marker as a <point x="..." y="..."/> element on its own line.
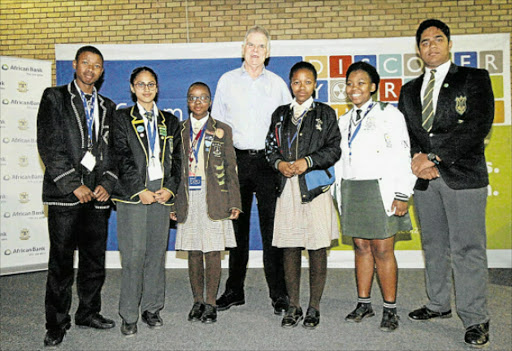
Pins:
<point x="85" y="228"/>
<point x="256" y="176"/>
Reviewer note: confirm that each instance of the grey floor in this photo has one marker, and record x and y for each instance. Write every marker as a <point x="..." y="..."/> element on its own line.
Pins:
<point x="254" y="326"/>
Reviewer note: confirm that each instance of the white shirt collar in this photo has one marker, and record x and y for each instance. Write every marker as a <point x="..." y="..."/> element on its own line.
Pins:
<point x="199" y="123"/>
<point x="142" y="110"/>
<point x="304" y="106"/>
<point x="441" y="70"/>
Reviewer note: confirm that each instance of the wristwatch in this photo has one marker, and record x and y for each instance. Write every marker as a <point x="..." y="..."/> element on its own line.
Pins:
<point x="433" y="158"/>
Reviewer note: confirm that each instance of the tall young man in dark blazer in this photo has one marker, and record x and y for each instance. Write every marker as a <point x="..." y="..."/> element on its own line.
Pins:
<point x="449" y="111"/>
<point x="73" y="139"/>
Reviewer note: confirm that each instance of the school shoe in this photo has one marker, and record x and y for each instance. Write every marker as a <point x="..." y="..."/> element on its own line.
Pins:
<point x="96" y="321"/>
<point x="280" y="305"/>
<point x="196" y="312"/>
<point x="312" y="318"/>
<point x="153" y="320"/>
<point x="477" y="335"/>
<point x="55" y="336"/>
<point x="362" y="311"/>
<point x="424" y="313"/>
<point x="209" y="314"/>
<point x="128" y="329"/>
<point x="228" y="299"/>
<point x="389" y="321"/>
<point x="292" y="317"/>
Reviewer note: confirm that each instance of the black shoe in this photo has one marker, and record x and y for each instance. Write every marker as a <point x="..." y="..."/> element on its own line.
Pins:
<point x="228" y="299"/>
<point x="96" y="321"/>
<point x="423" y="314"/>
<point x="129" y="329"/>
<point x="477" y="335"/>
<point x="54" y="337"/>
<point x="389" y="321"/>
<point x="292" y="317"/>
<point x="312" y="318"/>
<point x="196" y="312"/>
<point x="209" y="314"/>
<point x="153" y="320"/>
<point x="280" y="305"/>
<point x="362" y="311"/>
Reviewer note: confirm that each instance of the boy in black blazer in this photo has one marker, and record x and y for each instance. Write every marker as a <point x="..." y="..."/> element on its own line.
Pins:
<point x="449" y="111"/>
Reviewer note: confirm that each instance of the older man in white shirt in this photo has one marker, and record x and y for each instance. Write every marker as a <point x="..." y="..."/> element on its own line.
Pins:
<point x="245" y="99"/>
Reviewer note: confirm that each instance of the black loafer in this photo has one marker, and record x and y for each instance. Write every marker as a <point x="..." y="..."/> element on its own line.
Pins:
<point x="129" y="329"/>
<point x="280" y="305"/>
<point x="292" y="317"/>
<point x="389" y="321"/>
<point x="312" y="318"/>
<point x="209" y="314"/>
<point x="97" y="321"/>
<point x="196" y="312"/>
<point x="423" y="314"/>
<point x="477" y="335"/>
<point x="55" y="336"/>
<point x="362" y="311"/>
<point x="153" y="320"/>
<point x="228" y="299"/>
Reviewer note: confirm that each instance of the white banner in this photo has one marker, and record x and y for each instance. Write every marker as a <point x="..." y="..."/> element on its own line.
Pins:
<point x="24" y="234"/>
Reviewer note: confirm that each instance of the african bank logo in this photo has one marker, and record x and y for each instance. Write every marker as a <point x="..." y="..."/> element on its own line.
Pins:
<point x="7" y="252"/>
<point x="7" y="215"/>
<point x="5" y="67"/>
<point x="23" y="161"/>
<point x="25" y="234"/>
<point x="7" y="177"/>
<point x="22" y="87"/>
<point x="22" y="124"/>
<point x="24" y="198"/>
<point x="5" y="101"/>
<point x="6" y="140"/>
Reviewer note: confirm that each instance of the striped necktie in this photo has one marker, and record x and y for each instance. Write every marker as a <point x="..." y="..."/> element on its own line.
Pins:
<point x="427" y="115"/>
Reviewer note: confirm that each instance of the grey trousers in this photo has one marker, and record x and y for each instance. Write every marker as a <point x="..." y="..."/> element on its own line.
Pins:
<point x="453" y="237"/>
<point x="143" y="234"/>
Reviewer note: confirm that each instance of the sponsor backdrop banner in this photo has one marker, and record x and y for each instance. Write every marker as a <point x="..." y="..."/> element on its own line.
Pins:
<point x="24" y="234"/>
<point x="179" y="65"/>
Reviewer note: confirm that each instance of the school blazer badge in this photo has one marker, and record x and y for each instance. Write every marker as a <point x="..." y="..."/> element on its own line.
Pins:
<point x="460" y="105"/>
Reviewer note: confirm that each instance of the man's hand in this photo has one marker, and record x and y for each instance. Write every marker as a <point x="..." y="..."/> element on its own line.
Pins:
<point x="419" y="163"/>
<point x="429" y="173"/>
<point x="101" y="194"/>
<point x="84" y="194"/>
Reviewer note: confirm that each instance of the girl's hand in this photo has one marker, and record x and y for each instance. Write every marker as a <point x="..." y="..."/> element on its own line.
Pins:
<point x="286" y="169"/>
<point x="234" y="214"/>
<point x="300" y="166"/>
<point x="162" y="196"/>
<point x="147" y="197"/>
<point x="399" y="207"/>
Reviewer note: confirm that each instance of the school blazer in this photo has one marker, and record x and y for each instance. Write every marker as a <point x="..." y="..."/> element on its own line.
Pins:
<point x="222" y="187"/>
<point x="132" y="155"/>
<point x="62" y="141"/>
<point x="463" y="118"/>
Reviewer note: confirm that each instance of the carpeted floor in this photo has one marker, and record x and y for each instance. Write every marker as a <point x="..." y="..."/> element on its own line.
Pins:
<point x="253" y="326"/>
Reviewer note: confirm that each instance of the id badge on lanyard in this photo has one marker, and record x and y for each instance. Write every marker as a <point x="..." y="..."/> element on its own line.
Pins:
<point x="154" y="167"/>
<point x="195" y="181"/>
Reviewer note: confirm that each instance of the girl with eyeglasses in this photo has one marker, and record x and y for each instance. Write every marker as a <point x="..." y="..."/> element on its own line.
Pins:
<point x="208" y="173"/>
<point x="147" y="146"/>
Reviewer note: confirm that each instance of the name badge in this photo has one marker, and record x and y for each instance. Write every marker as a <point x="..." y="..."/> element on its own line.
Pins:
<point x="155" y="170"/>
<point x="89" y="161"/>
<point x="194" y="183"/>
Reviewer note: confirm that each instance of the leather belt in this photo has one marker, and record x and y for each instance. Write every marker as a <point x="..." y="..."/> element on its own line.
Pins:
<point x="250" y="152"/>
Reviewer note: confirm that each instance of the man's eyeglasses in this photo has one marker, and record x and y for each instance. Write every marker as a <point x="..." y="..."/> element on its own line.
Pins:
<point x="142" y="86"/>
<point x="202" y="98"/>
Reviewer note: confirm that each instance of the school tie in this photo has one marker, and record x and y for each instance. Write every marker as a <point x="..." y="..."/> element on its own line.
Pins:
<point x="358" y="115"/>
<point x="427" y="115"/>
<point x="90" y="117"/>
<point x="149" y="116"/>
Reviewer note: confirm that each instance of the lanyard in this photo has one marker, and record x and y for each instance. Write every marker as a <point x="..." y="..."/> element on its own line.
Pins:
<point x="195" y="143"/>
<point x="152" y="136"/>
<point x="351" y="136"/>
<point x="89" y="112"/>
<point x="299" y="122"/>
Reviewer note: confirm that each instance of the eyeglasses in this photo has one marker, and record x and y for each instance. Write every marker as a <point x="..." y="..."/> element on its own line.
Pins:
<point x="202" y="98"/>
<point x="142" y="86"/>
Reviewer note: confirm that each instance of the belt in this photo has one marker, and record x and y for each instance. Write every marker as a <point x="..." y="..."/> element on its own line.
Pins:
<point x="250" y="152"/>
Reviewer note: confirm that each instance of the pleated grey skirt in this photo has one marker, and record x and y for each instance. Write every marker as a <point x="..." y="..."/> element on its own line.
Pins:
<point x="363" y="215"/>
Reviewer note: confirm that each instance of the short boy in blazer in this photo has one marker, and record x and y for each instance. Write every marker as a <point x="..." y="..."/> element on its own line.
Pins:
<point x="73" y="139"/>
<point x="449" y="111"/>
